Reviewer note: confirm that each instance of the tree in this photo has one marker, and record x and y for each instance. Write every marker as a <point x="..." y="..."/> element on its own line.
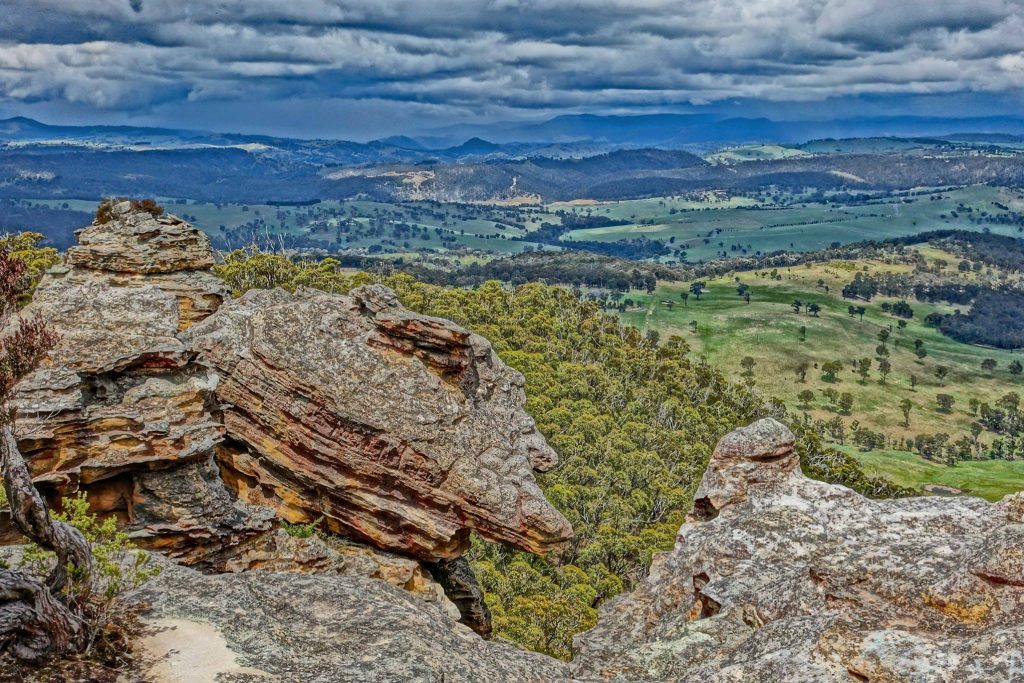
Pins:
<point x="945" y="402"/>
<point x="863" y="368"/>
<point x="1009" y="401"/>
<point x="884" y="368"/>
<point x="883" y="335"/>
<point x="861" y="311"/>
<point x="881" y="350"/>
<point x="921" y="353"/>
<point x="918" y="344"/>
<point x="685" y="296"/>
<point x="803" y="333"/>
<point x="1016" y="367"/>
<point x="39" y="618"/>
<point x="797" y="305"/>
<point x="989" y="364"/>
<point x="940" y="373"/>
<point x="913" y="382"/>
<point x="905" y="406"/>
<point x="845" y="403"/>
<point x="830" y="370"/>
<point x="815" y="309"/>
<point x="748" y="364"/>
<point x="806" y="397"/>
<point x="801" y="370"/>
<point x="697" y="288"/>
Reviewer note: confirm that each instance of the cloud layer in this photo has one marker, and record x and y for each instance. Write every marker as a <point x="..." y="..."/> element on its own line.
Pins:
<point x="451" y="58"/>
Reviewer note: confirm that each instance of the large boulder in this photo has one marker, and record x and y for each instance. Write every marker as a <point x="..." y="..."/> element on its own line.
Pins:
<point x="403" y="431"/>
<point x="776" y="577"/>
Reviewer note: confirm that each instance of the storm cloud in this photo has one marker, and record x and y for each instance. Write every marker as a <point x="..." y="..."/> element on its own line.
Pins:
<point x="447" y="59"/>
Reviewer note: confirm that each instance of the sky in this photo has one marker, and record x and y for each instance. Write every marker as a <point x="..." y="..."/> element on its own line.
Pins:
<point x="360" y="69"/>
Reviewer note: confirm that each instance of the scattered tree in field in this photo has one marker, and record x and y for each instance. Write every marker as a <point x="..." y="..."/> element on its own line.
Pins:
<point x="803" y="333"/>
<point x="845" y="403"/>
<point x="883" y="335"/>
<point x="801" y="370"/>
<point x="913" y="382"/>
<point x="697" y="288"/>
<point x="863" y="368"/>
<point x="831" y="369"/>
<point x="797" y="305"/>
<point x="693" y="326"/>
<point x="852" y="310"/>
<point x="1009" y="401"/>
<point x="921" y="353"/>
<point x="918" y="344"/>
<point x="905" y="406"/>
<point x="685" y="296"/>
<point x="831" y="395"/>
<point x="941" y="372"/>
<point x="989" y="364"/>
<point x="881" y="351"/>
<point x="1016" y="367"/>
<point x="945" y="402"/>
<point x="884" y="368"/>
<point x="814" y="309"/>
<point x="806" y="397"/>
<point x="861" y="311"/>
<point x="902" y="325"/>
<point x="973" y="404"/>
<point x="748" y="364"/>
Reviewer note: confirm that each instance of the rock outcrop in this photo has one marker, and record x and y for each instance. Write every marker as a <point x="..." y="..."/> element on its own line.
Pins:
<point x="776" y="577"/>
<point x="318" y="628"/>
<point x="201" y="422"/>
<point x="403" y="431"/>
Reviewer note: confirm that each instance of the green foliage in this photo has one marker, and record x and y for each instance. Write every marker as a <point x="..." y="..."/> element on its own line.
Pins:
<point x="24" y="246"/>
<point x="633" y="421"/>
<point x="117" y="566"/>
<point x="307" y="530"/>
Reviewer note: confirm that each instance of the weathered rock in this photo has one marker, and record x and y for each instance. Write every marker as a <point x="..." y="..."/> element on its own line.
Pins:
<point x="776" y="577"/>
<point x="316" y="629"/>
<point x="116" y="410"/>
<point x="401" y="430"/>
<point x="459" y="582"/>
<point x="135" y="241"/>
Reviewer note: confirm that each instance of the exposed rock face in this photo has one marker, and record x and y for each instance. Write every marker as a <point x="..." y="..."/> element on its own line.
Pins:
<point x="776" y="577"/>
<point x="317" y="629"/>
<point x="197" y="424"/>
<point x="403" y="431"/>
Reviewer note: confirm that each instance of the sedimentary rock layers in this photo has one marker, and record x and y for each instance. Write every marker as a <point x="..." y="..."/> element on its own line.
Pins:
<point x="403" y="431"/>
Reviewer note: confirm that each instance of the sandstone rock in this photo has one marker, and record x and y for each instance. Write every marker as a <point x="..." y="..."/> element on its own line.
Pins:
<point x="776" y="577"/>
<point x="317" y="629"/>
<point x="116" y="410"/>
<point x="404" y="431"/>
<point x="137" y="242"/>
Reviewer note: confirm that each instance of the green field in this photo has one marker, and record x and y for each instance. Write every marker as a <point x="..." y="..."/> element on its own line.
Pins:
<point x="989" y="479"/>
<point x="738" y="226"/>
<point x="768" y="330"/>
<point x="733" y="155"/>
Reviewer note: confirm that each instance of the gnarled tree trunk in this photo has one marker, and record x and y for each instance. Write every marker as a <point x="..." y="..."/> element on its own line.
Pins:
<point x="38" y="618"/>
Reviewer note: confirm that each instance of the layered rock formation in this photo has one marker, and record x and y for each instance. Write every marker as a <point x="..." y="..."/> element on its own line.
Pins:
<point x="403" y="431"/>
<point x="199" y="422"/>
<point x="776" y="577"/>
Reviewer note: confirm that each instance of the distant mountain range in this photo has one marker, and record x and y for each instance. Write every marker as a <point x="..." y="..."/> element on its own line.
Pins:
<point x="681" y="130"/>
<point x="569" y="135"/>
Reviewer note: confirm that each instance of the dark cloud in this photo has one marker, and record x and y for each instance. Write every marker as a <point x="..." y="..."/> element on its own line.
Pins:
<point x="448" y="58"/>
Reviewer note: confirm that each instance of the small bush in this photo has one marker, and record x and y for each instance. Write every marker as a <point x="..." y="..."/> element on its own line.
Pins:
<point x="105" y="211"/>
<point x="303" y="530"/>
<point x="118" y="568"/>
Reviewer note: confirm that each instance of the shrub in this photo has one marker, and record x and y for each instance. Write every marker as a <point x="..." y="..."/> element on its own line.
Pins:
<point x="118" y="568"/>
<point x="303" y="530"/>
